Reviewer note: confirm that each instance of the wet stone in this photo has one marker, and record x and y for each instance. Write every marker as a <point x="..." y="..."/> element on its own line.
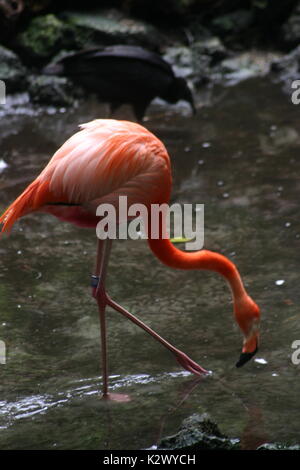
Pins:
<point x="198" y="432"/>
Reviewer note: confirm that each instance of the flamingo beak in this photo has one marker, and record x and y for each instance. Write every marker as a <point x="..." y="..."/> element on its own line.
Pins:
<point x="246" y="355"/>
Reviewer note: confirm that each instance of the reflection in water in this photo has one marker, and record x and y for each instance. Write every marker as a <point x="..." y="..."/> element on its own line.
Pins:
<point x="243" y="163"/>
<point x="253" y="434"/>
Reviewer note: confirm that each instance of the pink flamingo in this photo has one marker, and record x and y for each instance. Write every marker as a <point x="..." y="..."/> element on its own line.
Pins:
<point x="107" y="159"/>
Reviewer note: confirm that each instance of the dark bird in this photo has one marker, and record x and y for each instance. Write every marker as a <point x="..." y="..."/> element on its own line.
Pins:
<point x="123" y="75"/>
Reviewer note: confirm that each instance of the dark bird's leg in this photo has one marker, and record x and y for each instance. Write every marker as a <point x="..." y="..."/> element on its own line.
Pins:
<point x="139" y="108"/>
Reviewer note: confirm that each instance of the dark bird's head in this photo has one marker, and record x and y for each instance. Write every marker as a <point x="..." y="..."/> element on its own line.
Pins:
<point x="179" y="90"/>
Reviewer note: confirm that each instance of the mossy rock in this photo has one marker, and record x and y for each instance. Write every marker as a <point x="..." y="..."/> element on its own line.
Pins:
<point x="45" y="36"/>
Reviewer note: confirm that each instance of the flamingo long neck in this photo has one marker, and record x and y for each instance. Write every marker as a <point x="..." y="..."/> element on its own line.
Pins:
<point x="168" y="254"/>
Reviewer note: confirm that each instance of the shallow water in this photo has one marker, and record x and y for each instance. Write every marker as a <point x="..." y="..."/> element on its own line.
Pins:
<point x="239" y="156"/>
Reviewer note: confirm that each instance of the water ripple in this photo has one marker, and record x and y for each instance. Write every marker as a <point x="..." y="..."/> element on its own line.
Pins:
<point x="38" y="404"/>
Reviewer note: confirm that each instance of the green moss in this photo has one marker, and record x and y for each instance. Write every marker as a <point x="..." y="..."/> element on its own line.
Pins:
<point x="44" y="36"/>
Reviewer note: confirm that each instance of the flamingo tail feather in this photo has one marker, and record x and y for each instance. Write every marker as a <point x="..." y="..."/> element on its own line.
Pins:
<point x="31" y="199"/>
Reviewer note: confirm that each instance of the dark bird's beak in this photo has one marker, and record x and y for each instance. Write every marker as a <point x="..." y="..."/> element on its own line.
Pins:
<point x="245" y="357"/>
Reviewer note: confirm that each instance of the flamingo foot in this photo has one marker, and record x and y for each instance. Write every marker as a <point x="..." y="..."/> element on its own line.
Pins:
<point x="187" y="363"/>
<point x="118" y="397"/>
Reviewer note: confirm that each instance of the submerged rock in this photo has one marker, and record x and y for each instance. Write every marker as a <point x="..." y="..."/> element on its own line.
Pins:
<point x="199" y="432"/>
<point x="12" y="71"/>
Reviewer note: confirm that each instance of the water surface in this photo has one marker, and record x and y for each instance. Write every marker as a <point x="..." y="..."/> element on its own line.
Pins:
<point x="240" y="157"/>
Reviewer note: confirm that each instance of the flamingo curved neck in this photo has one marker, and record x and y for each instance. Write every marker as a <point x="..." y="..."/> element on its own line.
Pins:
<point x="171" y="256"/>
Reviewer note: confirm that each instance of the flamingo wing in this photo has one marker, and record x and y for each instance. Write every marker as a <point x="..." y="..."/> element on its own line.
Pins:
<point x="105" y="159"/>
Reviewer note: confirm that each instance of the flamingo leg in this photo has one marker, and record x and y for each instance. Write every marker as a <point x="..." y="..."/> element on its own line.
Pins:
<point x="185" y="361"/>
<point x="98" y="291"/>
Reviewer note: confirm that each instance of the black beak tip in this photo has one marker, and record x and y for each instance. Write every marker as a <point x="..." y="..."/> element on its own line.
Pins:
<point x="245" y="357"/>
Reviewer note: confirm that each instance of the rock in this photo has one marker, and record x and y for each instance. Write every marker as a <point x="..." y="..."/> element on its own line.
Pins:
<point x="291" y="29"/>
<point x="233" y="23"/>
<point x="212" y="47"/>
<point x="44" y="37"/>
<point x="195" y="63"/>
<point x="198" y="432"/>
<point x="278" y="446"/>
<point x="181" y="59"/>
<point x="287" y="68"/>
<point x="206" y="54"/>
<point x="52" y="90"/>
<point x="112" y="27"/>
<point x="208" y="60"/>
<point x="244" y="66"/>
<point x="12" y="71"/>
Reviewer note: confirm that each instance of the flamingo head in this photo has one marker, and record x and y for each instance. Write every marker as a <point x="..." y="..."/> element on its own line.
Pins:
<point x="247" y="314"/>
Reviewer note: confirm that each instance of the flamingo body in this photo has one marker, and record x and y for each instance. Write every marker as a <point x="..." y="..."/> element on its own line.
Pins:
<point x="103" y="161"/>
<point x="107" y="159"/>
